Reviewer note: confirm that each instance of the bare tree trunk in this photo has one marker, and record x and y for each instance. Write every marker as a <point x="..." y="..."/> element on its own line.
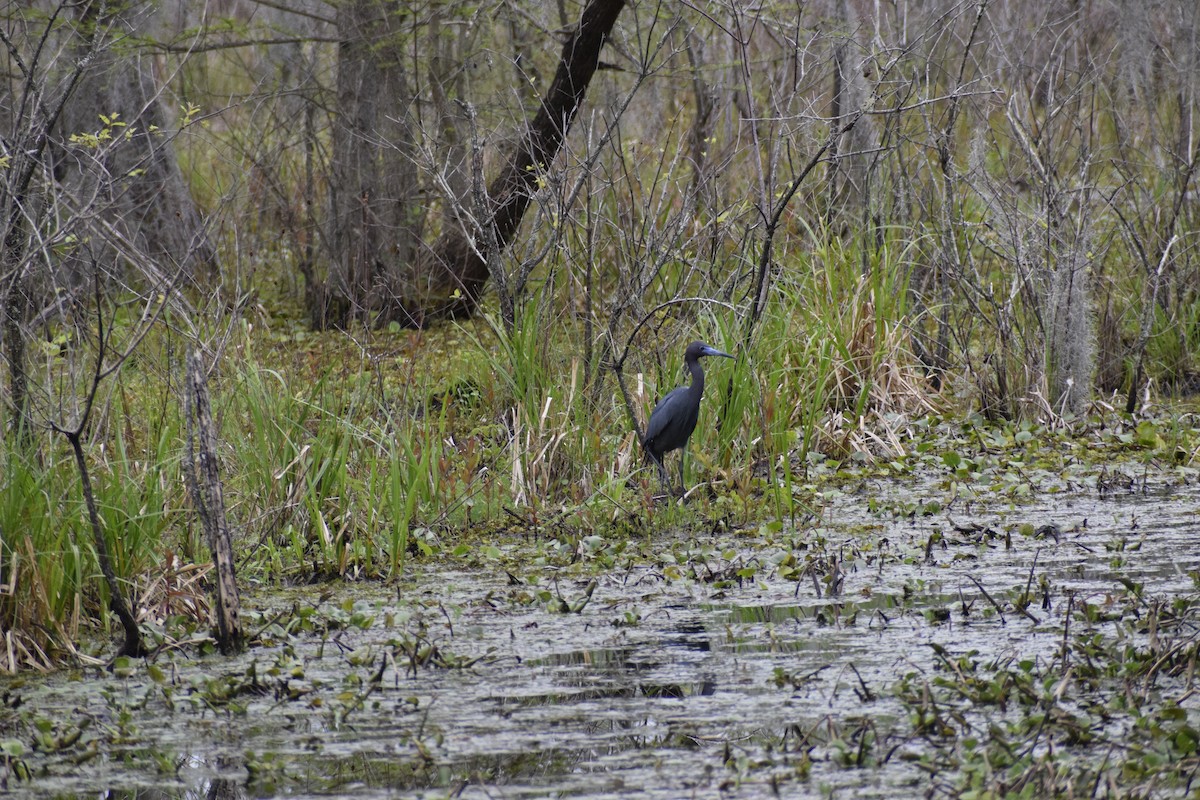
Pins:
<point x="525" y="71"/>
<point x="700" y="136"/>
<point x="374" y="211"/>
<point x="446" y="82"/>
<point x="139" y="177"/>
<point x="455" y="273"/>
<point x="850" y="159"/>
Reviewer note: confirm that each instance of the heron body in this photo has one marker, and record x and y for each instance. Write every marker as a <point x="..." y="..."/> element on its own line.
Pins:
<point x="674" y="418"/>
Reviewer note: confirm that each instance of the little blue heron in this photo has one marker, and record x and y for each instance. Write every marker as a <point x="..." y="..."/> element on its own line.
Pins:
<point x="674" y="418"/>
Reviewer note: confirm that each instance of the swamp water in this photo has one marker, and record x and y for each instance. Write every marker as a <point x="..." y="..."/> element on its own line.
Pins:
<point x="743" y="664"/>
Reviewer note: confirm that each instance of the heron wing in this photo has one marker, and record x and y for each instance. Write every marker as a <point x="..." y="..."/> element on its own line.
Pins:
<point x="662" y="417"/>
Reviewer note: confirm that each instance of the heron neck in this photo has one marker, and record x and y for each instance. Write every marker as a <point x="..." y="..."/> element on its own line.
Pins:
<point x="697" y="376"/>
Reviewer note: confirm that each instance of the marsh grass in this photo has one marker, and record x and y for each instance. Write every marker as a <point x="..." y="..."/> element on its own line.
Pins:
<point x="419" y="466"/>
<point x="837" y="370"/>
<point x="51" y="584"/>
<point x="358" y="456"/>
<point x="350" y="456"/>
<point x="43" y="571"/>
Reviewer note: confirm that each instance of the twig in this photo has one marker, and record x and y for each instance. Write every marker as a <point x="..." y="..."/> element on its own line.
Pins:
<point x="989" y="598"/>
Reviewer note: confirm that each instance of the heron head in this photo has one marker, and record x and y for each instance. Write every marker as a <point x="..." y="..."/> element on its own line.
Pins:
<point x="697" y="350"/>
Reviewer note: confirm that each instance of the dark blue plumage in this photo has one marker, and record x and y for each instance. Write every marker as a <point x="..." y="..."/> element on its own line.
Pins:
<point x="674" y="418"/>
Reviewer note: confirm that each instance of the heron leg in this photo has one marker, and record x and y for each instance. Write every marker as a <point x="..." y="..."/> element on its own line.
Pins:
<point x="663" y="475"/>
<point x="682" y="485"/>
